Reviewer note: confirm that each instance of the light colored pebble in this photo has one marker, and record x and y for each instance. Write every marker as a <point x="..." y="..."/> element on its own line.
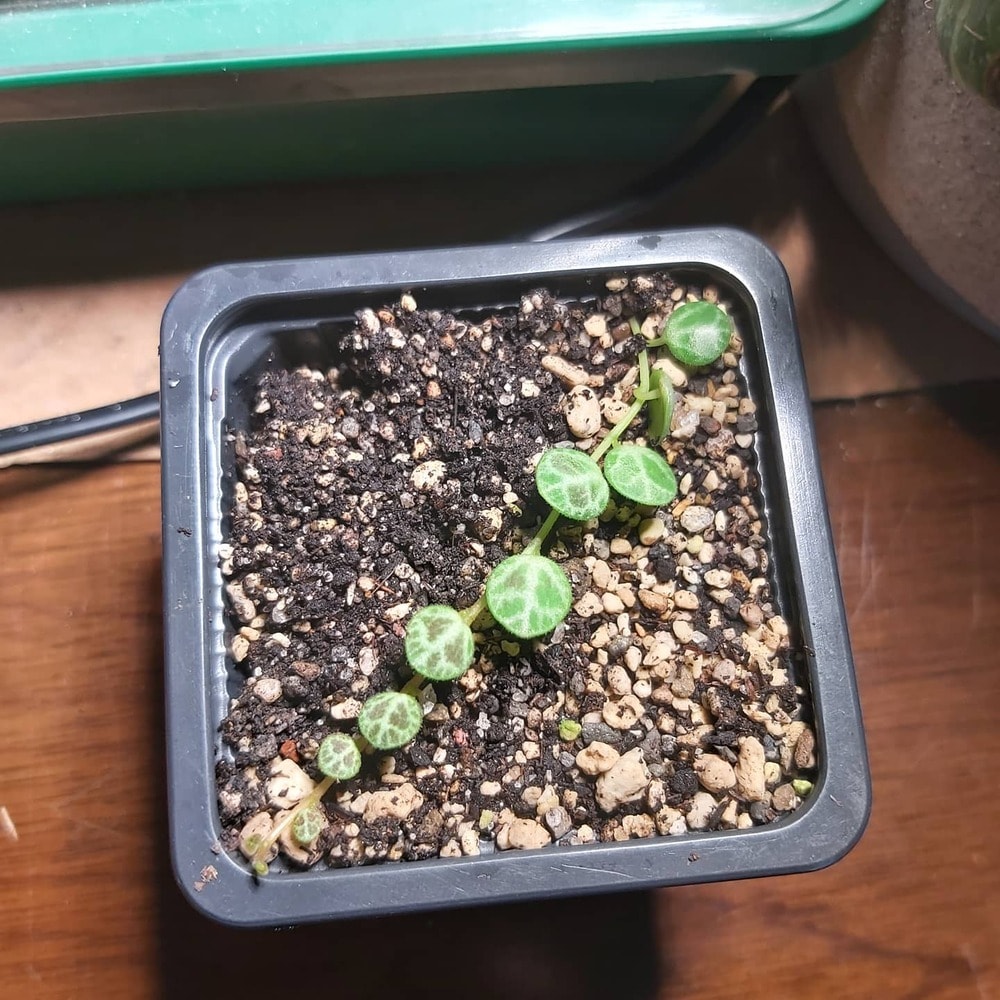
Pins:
<point x="719" y="578"/>
<point x="558" y="822"/>
<point x="602" y="576"/>
<point x="657" y="603"/>
<point x="349" y="708"/>
<point x="700" y="812"/>
<point x="685" y="423"/>
<point x="751" y="614"/>
<point x="725" y="672"/>
<point x="686" y="600"/>
<point x="638" y="826"/>
<point x="772" y="773"/>
<point x="682" y="630"/>
<point x="452" y="849"/>
<point x="613" y="604"/>
<point x="623" y="713"/>
<point x="596" y="758"/>
<point x="469" y="841"/>
<point x="268" y="690"/>
<point x="596" y="325"/>
<point x="619" y="681"/>
<point x="620" y="546"/>
<point x="257" y="827"/>
<point x="395" y="803"/>
<point x="783" y="798"/>
<point x="490" y="788"/>
<point x="527" y="835"/>
<point x="667" y="819"/>
<point x="427" y="475"/>
<point x="696" y="518"/>
<point x="677" y="375"/>
<point x="750" y="770"/>
<point x="714" y="773"/>
<point x="287" y="784"/>
<point x="651" y="530"/>
<point x="642" y="688"/>
<point x="583" y="412"/>
<point x="567" y="373"/>
<point x="616" y="284"/>
<point x="239" y="647"/>
<point x="625" y="782"/>
<point x="588" y="605"/>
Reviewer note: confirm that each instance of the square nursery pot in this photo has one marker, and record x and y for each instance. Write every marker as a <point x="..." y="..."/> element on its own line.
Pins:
<point x="228" y="325"/>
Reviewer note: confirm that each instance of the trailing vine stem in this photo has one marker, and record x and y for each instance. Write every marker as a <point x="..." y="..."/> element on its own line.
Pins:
<point x="527" y="594"/>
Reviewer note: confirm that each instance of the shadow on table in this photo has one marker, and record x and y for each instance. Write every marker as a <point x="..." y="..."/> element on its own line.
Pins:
<point x="579" y="949"/>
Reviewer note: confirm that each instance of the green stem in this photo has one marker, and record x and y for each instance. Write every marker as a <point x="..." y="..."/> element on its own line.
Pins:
<point x="259" y="860"/>
<point x="619" y="429"/>
<point x="535" y="545"/>
<point x="642" y="394"/>
<point x="412" y="687"/>
<point x="643" y="391"/>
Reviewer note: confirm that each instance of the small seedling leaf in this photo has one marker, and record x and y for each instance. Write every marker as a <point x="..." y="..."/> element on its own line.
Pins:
<point x="571" y="482"/>
<point x="338" y="757"/>
<point x="528" y="595"/>
<point x="661" y="406"/>
<point x="390" y="719"/>
<point x="640" y="474"/>
<point x="439" y="644"/>
<point x="308" y="825"/>
<point x="697" y="333"/>
<point x="569" y="729"/>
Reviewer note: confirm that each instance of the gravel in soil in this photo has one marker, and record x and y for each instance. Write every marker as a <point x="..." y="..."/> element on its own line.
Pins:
<point x="400" y="477"/>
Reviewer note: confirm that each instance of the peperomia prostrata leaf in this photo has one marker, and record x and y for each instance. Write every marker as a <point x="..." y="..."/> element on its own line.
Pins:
<point x="571" y="482"/>
<point x="338" y="757"/>
<point x="697" y="333"/>
<point x="528" y="595"/>
<point x="439" y="644"/>
<point x="640" y="474"/>
<point x="390" y="719"/>
<point x="308" y="825"/>
<point x="661" y="406"/>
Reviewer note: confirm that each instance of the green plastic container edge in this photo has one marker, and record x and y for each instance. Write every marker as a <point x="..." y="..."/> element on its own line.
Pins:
<point x="76" y="23"/>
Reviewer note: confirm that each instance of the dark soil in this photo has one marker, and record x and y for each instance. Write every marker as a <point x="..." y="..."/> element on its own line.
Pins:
<point x="399" y="478"/>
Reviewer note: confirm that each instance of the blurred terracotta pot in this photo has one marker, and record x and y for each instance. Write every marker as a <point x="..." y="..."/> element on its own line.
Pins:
<point x="918" y="158"/>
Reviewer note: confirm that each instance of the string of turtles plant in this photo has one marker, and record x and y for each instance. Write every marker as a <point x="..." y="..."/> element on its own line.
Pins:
<point x="528" y="594"/>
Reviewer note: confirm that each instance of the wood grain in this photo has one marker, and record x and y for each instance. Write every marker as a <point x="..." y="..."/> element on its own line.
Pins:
<point x="88" y="907"/>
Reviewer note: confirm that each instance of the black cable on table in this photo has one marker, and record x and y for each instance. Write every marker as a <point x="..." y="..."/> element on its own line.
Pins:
<point x="747" y="111"/>
<point x="76" y="425"/>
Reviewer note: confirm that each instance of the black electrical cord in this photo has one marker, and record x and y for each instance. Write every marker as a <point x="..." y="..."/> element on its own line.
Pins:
<point x="738" y="120"/>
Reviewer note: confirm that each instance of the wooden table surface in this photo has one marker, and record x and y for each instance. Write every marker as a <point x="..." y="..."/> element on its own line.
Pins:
<point x="88" y="907"/>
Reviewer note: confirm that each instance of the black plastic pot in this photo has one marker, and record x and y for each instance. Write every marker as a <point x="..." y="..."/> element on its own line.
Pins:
<point x="219" y="332"/>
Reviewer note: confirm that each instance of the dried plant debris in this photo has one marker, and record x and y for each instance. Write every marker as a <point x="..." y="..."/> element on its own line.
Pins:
<point x="665" y="702"/>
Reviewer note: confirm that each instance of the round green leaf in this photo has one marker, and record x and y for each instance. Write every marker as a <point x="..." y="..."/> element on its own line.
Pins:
<point x="338" y="757"/>
<point x="640" y="474"/>
<point x="390" y="719"/>
<point x="661" y="406"/>
<point x="439" y="644"/>
<point x="697" y="332"/>
<point x="308" y="825"/>
<point x="571" y="482"/>
<point x="528" y="595"/>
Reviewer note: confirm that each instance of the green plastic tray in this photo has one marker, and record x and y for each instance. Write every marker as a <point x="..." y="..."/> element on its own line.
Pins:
<point x="123" y="96"/>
